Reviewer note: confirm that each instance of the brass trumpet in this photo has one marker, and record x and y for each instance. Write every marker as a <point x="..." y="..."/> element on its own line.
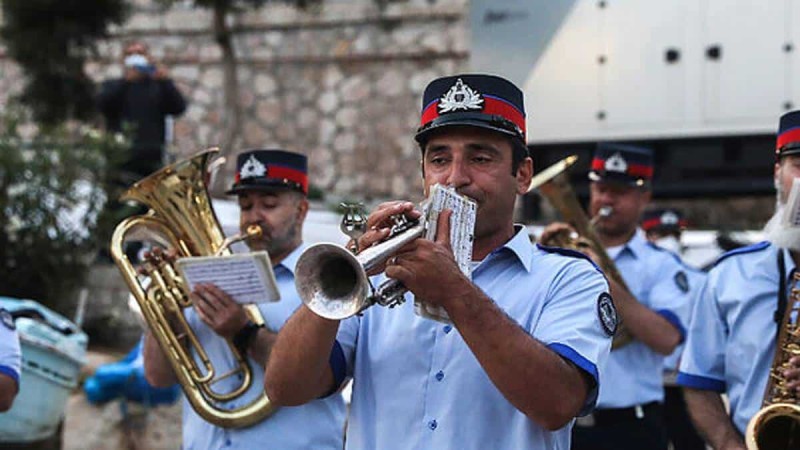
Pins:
<point x="181" y="217"/>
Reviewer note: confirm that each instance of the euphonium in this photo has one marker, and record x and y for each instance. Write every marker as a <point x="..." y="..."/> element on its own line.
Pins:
<point x="560" y="194"/>
<point x="181" y="218"/>
<point x="776" y="426"/>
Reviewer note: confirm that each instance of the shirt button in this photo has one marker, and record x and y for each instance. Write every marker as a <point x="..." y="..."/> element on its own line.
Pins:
<point x="432" y="424"/>
<point x="439" y="376"/>
<point x="447" y="329"/>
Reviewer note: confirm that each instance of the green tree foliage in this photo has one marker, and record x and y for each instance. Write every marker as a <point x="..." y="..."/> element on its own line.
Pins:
<point x="51" y="40"/>
<point x="52" y="187"/>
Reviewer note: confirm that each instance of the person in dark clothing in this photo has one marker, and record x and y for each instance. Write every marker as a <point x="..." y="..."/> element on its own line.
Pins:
<point x="140" y="101"/>
<point x="137" y="103"/>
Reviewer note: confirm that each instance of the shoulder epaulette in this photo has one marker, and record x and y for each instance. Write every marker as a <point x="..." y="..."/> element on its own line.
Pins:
<point x="568" y="252"/>
<point x="675" y="256"/>
<point x="747" y="249"/>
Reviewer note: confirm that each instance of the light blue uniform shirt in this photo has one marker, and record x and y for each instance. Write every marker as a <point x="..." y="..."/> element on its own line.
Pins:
<point x="633" y="375"/>
<point x="10" y="354"/>
<point x="316" y="425"/>
<point x="732" y="335"/>
<point x="695" y="279"/>
<point x="417" y="385"/>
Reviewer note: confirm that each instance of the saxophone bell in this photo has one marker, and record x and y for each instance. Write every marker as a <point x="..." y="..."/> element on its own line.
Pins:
<point x="776" y="426"/>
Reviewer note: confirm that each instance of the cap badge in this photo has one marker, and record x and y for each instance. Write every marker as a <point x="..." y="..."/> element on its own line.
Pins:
<point x="669" y="218"/>
<point x="252" y="168"/>
<point x="616" y="163"/>
<point x="460" y="97"/>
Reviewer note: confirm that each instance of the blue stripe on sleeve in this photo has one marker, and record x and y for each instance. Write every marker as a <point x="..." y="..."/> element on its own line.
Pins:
<point x="587" y="366"/>
<point x="10" y="372"/>
<point x="699" y="382"/>
<point x="674" y="320"/>
<point x="338" y="364"/>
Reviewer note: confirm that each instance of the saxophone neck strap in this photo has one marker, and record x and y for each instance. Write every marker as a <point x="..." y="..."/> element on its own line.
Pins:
<point x="781" y="309"/>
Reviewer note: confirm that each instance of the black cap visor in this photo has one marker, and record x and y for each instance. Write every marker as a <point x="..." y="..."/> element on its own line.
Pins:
<point x="792" y="148"/>
<point x="264" y="186"/>
<point x="618" y="178"/>
<point x="487" y="121"/>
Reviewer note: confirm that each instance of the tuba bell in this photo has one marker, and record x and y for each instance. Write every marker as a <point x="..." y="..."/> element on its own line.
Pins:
<point x="776" y="426"/>
<point x="181" y="217"/>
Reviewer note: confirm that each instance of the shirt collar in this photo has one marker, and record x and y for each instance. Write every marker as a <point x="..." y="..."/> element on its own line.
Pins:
<point x="520" y="246"/>
<point x="637" y="244"/>
<point x="290" y="261"/>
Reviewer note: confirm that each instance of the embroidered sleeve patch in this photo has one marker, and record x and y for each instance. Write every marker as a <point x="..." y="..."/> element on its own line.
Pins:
<point x="7" y="320"/>
<point x="607" y="313"/>
<point x="682" y="281"/>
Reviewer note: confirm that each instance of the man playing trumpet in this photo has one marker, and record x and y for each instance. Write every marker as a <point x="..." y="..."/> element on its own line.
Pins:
<point x="521" y="358"/>
<point x="653" y="309"/>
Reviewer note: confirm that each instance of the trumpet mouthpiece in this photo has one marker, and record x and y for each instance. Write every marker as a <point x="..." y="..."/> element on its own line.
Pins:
<point x="254" y="231"/>
<point x="605" y="211"/>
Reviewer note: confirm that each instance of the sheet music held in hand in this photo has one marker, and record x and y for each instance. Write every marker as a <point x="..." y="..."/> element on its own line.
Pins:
<point x="791" y="215"/>
<point x="247" y="277"/>
<point x="462" y="230"/>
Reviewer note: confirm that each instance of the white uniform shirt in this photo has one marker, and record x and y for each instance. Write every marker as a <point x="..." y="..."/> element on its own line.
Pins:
<point x="417" y="385"/>
<point x="316" y="425"/>
<point x="10" y="354"/>
<point x="732" y="334"/>
<point x="633" y="375"/>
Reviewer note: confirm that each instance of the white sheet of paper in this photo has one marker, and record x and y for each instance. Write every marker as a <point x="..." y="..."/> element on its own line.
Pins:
<point x="462" y="229"/>
<point x="247" y="278"/>
<point x="791" y="215"/>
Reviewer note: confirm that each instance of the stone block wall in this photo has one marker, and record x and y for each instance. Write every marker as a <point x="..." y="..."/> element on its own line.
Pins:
<point x="341" y="82"/>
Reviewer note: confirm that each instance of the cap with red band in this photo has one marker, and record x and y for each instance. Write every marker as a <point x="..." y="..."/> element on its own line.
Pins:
<point x="269" y="170"/>
<point x="624" y="164"/>
<point x="788" y="142"/>
<point x="666" y="219"/>
<point x="484" y="101"/>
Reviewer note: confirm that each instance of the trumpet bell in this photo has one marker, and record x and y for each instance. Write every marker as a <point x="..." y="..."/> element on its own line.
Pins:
<point x="332" y="282"/>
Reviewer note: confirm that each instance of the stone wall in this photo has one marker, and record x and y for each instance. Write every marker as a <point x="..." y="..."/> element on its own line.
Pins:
<point x="341" y="82"/>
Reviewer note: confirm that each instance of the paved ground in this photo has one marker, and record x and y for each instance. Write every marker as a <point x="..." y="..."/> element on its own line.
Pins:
<point x="115" y="425"/>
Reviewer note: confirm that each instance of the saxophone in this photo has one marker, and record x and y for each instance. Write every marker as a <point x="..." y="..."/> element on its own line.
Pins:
<point x="776" y="426"/>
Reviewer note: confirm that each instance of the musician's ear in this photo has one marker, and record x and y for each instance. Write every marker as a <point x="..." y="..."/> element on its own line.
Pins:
<point x="524" y="175"/>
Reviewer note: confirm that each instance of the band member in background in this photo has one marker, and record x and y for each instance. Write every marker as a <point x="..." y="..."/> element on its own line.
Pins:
<point x="732" y="336"/>
<point x="271" y="186"/>
<point x="10" y="360"/>
<point x="629" y="409"/>
<point x="664" y="227"/>
<point x="528" y="339"/>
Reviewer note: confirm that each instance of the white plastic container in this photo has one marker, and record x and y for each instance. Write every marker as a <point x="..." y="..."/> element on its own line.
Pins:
<point x="53" y="351"/>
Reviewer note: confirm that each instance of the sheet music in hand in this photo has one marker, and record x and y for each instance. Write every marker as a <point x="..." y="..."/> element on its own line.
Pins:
<point x="247" y="277"/>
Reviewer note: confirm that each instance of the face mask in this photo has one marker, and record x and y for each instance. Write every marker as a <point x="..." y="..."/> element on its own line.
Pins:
<point x="669" y="243"/>
<point x="139" y="62"/>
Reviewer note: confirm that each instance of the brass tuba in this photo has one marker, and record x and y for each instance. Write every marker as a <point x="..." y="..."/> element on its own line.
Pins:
<point x="181" y="217"/>
<point x="776" y="426"/>
<point x="560" y="194"/>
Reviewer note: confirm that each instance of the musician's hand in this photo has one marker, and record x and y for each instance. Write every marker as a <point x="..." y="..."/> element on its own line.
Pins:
<point x="218" y="310"/>
<point x="379" y="225"/>
<point x="552" y="232"/>
<point x="792" y="375"/>
<point x="428" y="268"/>
<point x="155" y="257"/>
